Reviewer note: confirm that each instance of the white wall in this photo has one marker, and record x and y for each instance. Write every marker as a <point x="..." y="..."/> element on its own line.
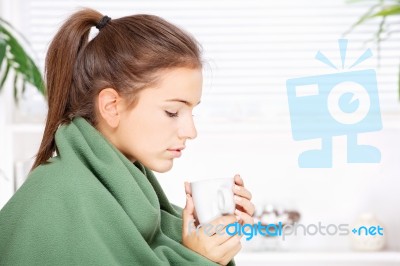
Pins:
<point x="267" y="161"/>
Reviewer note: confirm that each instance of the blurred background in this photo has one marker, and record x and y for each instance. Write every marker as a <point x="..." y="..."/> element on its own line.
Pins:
<point x="251" y="48"/>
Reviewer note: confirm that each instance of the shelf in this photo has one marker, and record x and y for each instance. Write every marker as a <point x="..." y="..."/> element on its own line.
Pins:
<point x="27" y="128"/>
<point x="321" y="257"/>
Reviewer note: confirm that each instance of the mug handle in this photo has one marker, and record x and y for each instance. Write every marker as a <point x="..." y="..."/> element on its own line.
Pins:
<point x="224" y="197"/>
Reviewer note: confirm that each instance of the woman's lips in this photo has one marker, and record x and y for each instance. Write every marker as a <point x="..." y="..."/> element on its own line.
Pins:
<point x="176" y="153"/>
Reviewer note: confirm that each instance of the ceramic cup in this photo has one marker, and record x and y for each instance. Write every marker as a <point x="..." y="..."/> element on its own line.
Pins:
<point x="213" y="198"/>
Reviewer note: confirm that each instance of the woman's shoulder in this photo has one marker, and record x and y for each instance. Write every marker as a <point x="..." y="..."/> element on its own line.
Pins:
<point x="50" y="187"/>
<point x="52" y="178"/>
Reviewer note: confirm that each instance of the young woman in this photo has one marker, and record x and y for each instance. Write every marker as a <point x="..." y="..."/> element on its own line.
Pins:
<point x="120" y="107"/>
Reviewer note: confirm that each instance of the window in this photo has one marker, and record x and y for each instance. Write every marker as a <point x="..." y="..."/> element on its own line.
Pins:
<point x="251" y="47"/>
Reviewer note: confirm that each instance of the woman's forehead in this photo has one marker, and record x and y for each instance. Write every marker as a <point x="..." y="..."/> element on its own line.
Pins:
<point x="178" y="85"/>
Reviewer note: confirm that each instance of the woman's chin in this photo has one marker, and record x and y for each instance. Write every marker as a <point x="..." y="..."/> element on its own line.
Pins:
<point x="162" y="167"/>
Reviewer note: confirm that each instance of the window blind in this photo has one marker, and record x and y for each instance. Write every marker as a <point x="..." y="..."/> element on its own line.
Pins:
<point x="250" y="47"/>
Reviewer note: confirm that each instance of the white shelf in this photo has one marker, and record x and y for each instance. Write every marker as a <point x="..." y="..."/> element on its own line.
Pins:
<point x="27" y="128"/>
<point x="349" y="258"/>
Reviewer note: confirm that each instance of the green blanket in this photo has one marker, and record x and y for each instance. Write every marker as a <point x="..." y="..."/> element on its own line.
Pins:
<point x="92" y="206"/>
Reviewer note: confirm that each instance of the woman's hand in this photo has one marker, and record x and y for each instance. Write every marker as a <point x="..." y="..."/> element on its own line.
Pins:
<point x="220" y="248"/>
<point x="244" y="207"/>
<point x="213" y="242"/>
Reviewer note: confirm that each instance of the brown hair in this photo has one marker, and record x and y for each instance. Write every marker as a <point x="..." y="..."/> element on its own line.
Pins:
<point x="125" y="55"/>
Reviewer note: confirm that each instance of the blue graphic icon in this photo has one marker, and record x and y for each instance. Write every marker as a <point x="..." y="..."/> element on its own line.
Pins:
<point x="343" y="103"/>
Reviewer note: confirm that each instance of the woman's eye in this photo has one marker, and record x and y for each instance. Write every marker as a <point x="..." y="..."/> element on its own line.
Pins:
<point x="171" y="114"/>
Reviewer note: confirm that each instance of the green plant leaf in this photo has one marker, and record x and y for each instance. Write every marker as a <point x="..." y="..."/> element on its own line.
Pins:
<point x="19" y="57"/>
<point x="23" y="86"/>
<point x="3" y="79"/>
<point x="37" y="79"/>
<point x="388" y="11"/>
<point x="3" y="48"/>
<point x="15" y="88"/>
<point x="364" y="17"/>
<point x="384" y="11"/>
<point x="20" y="61"/>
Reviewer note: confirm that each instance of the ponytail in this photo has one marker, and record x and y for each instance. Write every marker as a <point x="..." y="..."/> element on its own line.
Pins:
<point x="71" y="38"/>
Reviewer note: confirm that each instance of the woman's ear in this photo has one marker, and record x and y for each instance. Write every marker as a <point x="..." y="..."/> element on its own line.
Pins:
<point x="108" y="106"/>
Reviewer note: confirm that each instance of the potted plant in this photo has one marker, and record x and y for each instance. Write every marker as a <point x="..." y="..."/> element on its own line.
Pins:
<point x="15" y="62"/>
<point x="380" y="9"/>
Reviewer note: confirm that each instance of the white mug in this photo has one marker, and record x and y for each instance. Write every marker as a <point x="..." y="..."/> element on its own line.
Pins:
<point x="212" y="198"/>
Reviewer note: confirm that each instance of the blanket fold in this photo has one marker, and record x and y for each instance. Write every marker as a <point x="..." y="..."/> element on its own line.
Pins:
<point x="91" y="206"/>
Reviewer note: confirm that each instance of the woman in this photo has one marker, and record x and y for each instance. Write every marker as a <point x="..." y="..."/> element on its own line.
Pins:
<point x="120" y="107"/>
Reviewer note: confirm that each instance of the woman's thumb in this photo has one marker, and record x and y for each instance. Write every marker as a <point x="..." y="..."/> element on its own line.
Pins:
<point x="187" y="215"/>
<point x="189" y="205"/>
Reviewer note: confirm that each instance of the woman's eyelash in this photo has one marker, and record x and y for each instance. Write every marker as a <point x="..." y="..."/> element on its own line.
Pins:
<point x="171" y="114"/>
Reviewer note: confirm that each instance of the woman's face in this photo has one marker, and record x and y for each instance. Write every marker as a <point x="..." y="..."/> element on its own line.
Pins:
<point x="155" y="130"/>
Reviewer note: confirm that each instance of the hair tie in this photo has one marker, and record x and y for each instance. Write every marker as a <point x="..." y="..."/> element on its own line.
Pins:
<point x="104" y="20"/>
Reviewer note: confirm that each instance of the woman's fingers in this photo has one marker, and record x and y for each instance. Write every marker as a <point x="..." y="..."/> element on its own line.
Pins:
<point x="242" y="191"/>
<point x="242" y="196"/>
<point x="218" y="225"/>
<point x="246" y="218"/>
<point x="188" y="189"/>
<point x="245" y="204"/>
<point x="229" y="249"/>
<point x="238" y="180"/>
<point x="188" y="221"/>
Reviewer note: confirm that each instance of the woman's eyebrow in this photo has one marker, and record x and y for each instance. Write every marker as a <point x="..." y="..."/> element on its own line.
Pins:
<point x="182" y="101"/>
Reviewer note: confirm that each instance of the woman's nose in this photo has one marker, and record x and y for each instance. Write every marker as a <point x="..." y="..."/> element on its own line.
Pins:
<point x="188" y="129"/>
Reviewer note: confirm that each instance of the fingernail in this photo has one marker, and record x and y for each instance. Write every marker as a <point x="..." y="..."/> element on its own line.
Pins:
<point x="237" y="212"/>
<point x="237" y="218"/>
<point x="237" y="188"/>
<point x="237" y="199"/>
